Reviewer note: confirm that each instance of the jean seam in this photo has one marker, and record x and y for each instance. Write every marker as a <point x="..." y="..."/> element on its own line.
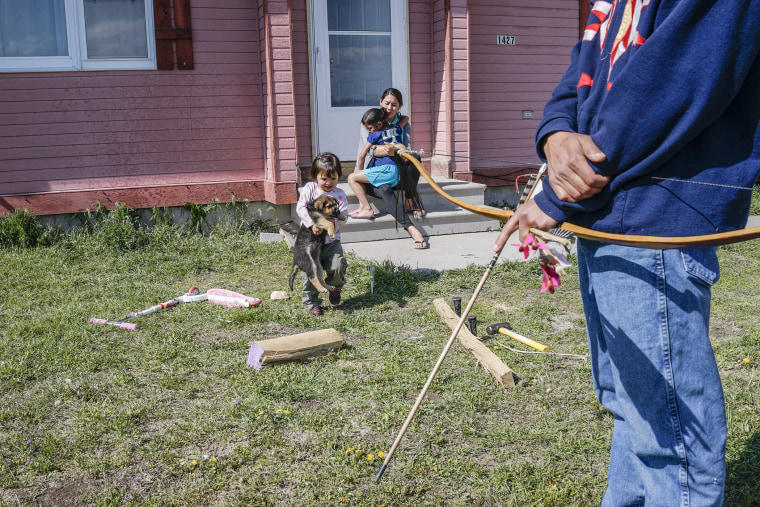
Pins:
<point x="680" y="446"/>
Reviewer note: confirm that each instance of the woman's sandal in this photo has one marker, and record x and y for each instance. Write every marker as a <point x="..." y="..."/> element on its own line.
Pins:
<point x="415" y="212"/>
<point x="355" y="214"/>
<point x="421" y="245"/>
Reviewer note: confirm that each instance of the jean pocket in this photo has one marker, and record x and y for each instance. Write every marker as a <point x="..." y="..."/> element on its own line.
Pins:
<point x="702" y="263"/>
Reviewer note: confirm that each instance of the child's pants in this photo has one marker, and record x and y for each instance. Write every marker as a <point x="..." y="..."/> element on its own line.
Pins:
<point x="334" y="265"/>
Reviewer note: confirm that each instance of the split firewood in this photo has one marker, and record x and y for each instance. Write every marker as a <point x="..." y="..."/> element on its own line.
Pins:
<point x="294" y="347"/>
<point x="490" y="361"/>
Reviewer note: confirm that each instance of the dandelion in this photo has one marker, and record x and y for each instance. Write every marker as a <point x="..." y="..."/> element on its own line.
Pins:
<point x="286" y="411"/>
<point x="212" y="459"/>
<point x="193" y="463"/>
<point x="381" y="454"/>
<point x="496" y="347"/>
<point x="349" y="450"/>
<point x="370" y="457"/>
<point x="261" y="412"/>
<point x="746" y="360"/>
<point x="435" y="469"/>
<point x="278" y="410"/>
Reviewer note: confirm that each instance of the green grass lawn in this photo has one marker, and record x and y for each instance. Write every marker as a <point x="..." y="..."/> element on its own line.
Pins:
<point x="171" y="415"/>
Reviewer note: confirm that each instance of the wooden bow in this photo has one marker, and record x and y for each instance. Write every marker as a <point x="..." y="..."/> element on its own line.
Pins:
<point x="656" y="242"/>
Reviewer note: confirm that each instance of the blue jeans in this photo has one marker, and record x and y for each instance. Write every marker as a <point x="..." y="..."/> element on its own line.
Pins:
<point x="647" y="318"/>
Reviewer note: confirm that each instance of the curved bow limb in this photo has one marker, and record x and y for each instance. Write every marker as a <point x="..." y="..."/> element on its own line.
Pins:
<point x="656" y="242"/>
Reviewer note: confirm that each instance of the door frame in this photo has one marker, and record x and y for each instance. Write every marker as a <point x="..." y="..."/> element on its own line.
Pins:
<point x="319" y="95"/>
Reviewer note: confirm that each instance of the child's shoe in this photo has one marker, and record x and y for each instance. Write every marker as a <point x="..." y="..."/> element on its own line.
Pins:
<point x="334" y="297"/>
<point x="315" y="310"/>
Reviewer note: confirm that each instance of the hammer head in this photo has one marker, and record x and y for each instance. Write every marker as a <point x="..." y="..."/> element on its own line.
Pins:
<point x="494" y="328"/>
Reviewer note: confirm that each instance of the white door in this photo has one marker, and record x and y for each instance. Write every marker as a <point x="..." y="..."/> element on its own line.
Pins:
<point x="359" y="48"/>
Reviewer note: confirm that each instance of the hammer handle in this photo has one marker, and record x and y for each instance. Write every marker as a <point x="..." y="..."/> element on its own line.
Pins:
<point x="521" y="338"/>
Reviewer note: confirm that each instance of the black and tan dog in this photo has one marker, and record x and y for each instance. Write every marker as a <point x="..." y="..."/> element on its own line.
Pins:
<point x="308" y="246"/>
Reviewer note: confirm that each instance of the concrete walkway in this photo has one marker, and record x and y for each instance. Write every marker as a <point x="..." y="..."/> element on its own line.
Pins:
<point x="451" y="251"/>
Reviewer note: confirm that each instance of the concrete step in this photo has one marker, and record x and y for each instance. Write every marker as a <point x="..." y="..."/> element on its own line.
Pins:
<point x="443" y="217"/>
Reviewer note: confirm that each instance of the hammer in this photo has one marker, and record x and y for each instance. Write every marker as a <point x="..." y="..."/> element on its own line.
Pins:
<point x="504" y="328"/>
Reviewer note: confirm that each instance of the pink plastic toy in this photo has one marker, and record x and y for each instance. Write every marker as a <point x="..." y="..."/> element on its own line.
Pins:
<point x="216" y="296"/>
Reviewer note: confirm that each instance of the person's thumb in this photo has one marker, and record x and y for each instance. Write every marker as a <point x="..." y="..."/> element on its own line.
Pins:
<point x="591" y="150"/>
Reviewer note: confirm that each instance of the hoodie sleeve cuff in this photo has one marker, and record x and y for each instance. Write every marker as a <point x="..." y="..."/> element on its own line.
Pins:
<point x="550" y="127"/>
<point x="545" y="202"/>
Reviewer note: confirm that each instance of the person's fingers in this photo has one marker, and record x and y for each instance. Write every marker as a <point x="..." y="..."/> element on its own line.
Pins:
<point x="571" y="176"/>
<point x="506" y="231"/>
<point x="526" y="217"/>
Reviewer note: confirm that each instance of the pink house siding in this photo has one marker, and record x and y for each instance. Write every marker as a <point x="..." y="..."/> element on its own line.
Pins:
<point x="146" y="138"/>
<point x="441" y="79"/>
<point x="239" y="124"/>
<point x="509" y="79"/>
<point x="421" y="80"/>
<point x="280" y="111"/>
<point x="302" y="91"/>
<point x="459" y="34"/>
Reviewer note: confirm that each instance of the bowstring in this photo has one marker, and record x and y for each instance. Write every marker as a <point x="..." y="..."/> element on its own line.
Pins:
<point x="721" y="185"/>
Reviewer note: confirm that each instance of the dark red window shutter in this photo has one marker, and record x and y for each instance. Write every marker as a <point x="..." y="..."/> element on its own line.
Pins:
<point x="173" y="34"/>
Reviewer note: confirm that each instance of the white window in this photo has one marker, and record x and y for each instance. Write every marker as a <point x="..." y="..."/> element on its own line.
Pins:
<point x="50" y="35"/>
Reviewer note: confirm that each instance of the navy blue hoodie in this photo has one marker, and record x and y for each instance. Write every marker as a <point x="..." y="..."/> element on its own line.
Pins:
<point x="669" y="90"/>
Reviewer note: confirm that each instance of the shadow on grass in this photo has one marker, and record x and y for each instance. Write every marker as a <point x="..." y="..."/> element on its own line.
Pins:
<point x="743" y="475"/>
<point x="391" y="283"/>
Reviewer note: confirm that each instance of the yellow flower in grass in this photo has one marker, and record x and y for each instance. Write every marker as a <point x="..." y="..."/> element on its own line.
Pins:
<point x="286" y="411"/>
<point x="212" y="459"/>
<point x="193" y="463"/>
<point x="278" y="411"/>
<point x="381" y="454"/>
<point x="370" y="457"/>
<point x="746" y="360"/>
<point x="349" y="450"/>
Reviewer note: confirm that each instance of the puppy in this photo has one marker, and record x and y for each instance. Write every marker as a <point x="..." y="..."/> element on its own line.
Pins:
<point x="308" y="246"/>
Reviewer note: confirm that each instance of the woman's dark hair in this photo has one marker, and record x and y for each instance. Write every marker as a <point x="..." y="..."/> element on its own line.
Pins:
<point x="325" y="162"/>
<point x="394" y="92"/>
<point x="374" y="116"/>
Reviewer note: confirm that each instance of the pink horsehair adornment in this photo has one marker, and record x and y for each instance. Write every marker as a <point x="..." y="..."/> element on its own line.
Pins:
<point x="552" y="263"/>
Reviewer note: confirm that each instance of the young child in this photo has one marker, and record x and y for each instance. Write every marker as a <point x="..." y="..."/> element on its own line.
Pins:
<point x="325" y="173"/>
<point x="385" y="170"/>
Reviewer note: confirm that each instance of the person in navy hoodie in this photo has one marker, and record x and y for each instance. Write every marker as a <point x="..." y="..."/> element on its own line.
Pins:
<point x="654" y="130"/>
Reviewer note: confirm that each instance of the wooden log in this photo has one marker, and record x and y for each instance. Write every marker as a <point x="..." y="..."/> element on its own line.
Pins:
<point x="294" y="347"/>
<point x="490" y="361"/>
